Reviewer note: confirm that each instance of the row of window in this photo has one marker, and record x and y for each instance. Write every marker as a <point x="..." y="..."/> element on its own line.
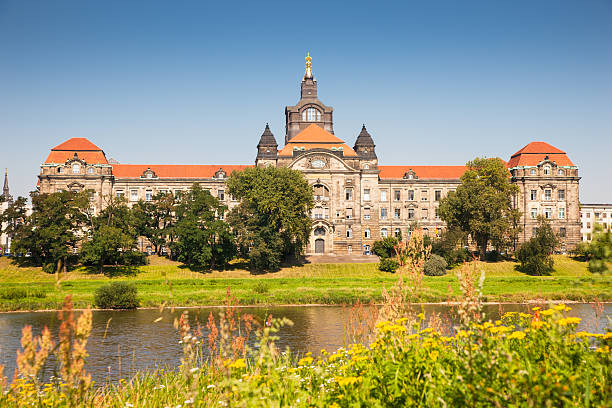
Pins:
<point x="547" y="171"/>
<point x="587" y="225"/>
<point x="547" y="195"/>
<point x="76" y="169"/>
<point x="384" y="232"/>
<point x="323" y="213"/>
<point x="149" y="194"/>
<point x="597" y="215"/>
<point x="397" y="195"/>
<point x="548" y="213"/>
<point x="311" y="115"/>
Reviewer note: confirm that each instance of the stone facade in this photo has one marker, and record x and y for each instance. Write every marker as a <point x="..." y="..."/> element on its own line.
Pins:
<point x="357" y="201"/>
<point x="591" y="214"/>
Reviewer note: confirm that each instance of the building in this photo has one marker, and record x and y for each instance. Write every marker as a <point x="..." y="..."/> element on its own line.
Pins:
<point x="591" y="214"/>
<point x="357" y="200"/>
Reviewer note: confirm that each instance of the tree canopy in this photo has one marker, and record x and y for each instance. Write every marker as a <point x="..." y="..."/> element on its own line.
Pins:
<point x="482" y="205"/>
<point x="272" y="221"/>
<point x="535" y="254"/>
<point x="203" y="239"/>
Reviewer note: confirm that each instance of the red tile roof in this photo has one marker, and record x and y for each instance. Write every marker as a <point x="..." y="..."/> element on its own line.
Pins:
<point x="422" y="172"/>
<point x="84" y="149"/>
<point x="77" y="143"/>
<point x="173" y="170"/>
<point x="535" y="152"/>
<point x="315" y="137"/>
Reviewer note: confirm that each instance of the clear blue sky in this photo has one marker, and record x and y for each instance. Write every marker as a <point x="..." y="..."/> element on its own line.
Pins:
<point x="436" y="82"/>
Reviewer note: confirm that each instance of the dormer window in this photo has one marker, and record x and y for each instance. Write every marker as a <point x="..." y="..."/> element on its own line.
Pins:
<point x="76" y="168"/>
<point x="366" y="166"/>
<point x="311" y="115"/>
<point x="90" y="170"/>
<point x="561" y="172"/>
<point x="533" y="172"/>
<point x="546" y="170"/>
<point x="60" y="170"/>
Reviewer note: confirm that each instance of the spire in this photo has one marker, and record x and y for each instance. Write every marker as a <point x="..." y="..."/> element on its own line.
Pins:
<point x="5" y="190"/>
<point x="364" y="145"/>
<point x="308" y="74"/>
<point x="267" y="148"/>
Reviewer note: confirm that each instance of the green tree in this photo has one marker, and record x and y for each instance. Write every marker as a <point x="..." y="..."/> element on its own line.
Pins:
<point x="51" y="232"/>
<point x="599" y="251"/>
<point x="385" y="248"/>
<point x="112" y="237"/>
<point x="272" y="221"/>
<point x="155" y="219"/>
<point x="535" y="254"/>
<point x="482" y="204"/>
<point x="203" y="239"/>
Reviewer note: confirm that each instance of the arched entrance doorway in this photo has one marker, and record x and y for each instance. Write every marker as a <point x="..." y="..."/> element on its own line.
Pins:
<point x="319" y="234"/>
<point x="319" y="246"/>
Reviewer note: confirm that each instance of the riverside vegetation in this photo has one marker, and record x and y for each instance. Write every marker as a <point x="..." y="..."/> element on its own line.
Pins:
<point x="395" y="359"/>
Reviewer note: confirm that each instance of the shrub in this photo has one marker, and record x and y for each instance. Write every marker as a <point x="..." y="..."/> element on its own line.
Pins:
<point x="388" y="265"/>
<point x="534" y="255"/>
<point x="116" y="295"/>
<point x="261" y="287"/>
<point x="385" y="247"/>
<point x="435" y="266"/>
<point x="134" y="258"/>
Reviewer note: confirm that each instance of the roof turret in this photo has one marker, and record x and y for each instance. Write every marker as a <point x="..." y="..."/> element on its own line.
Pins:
<point x="364" y="145"/>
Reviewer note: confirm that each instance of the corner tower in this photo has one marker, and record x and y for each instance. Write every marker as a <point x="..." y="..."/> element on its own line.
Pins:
<point x="267" y="149"/>
<point x="309" y="109"/>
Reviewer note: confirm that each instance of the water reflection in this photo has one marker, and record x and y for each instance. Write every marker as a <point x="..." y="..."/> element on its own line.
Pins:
<point x="124" y="342"/>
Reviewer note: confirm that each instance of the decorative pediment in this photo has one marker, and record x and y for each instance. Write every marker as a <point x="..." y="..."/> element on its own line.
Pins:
<point x="148" y="174"/>
<point x="411" y="205"/>
<point x="547" y="161"/>
<point x="220" y="174"/>
<point x="410" y="175"/>
<point x="548" y="186"/>
<point x="75" y="159"/>
<point x="75" y="186"/>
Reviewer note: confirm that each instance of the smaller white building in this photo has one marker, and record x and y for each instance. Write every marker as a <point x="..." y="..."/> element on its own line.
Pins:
<point x="591" y="214"/>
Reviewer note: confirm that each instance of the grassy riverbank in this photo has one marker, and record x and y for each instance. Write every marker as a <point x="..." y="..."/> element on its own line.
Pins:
<point x="170" y="282"/>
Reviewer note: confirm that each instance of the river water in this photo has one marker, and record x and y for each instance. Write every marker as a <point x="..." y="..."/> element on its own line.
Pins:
<point x="124" y="342"/>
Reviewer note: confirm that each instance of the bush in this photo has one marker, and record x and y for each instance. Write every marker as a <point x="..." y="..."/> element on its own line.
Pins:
<point x="534" y="255"/>
<point x="435" y="266"/>
<point x="385" y="247"/>
<point x="261" y="287"/>
<point x="116" y="295"/>
<point x="388" y="265"/>
<point x="134" y="258"/>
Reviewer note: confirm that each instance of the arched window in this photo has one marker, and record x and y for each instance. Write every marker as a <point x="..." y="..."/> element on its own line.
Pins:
<point x="533" y="172"/>
<point x="311" y="115"/>
<point x="366" y="233"/>
<point x="561" y="172"/>
<point x="384" y="233"/>
<point x="90" y="170"/>
<point x="349" y="233"/>
<point x="319" y="231"/>
<point x="76" y="168"/>
<point x="546" y="170"/>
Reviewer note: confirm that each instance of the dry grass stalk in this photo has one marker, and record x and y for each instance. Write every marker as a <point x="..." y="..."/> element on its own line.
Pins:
<point x="35" y="352"/>
<point x="470" y="302"/>
<point x="359" y="328"/>
<point x="3" y="380"/>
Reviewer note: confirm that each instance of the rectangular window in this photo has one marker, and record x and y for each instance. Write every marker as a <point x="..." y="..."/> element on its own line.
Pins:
<point x="561" y="213"/>
<point x="562" y="232"/>
<point x="92" y="195"/>
<point x="119" y="194"/>
<point x="383" y="213"/>
<point x="548" y="213"/>
<point x="534" y="213"/>
<point x="397" y="194"/>
<point x="423" y="195"/>
<point x="366" y="213"/>
<point x="348" y="194"/>
<point x="410" y="195"/>
<point x="437" y="195"/>
<point x="437" y="214"/>
<point x="349" y="213"/>
<point x="396" y="213"/>
<point x="383" y="233"/>
<point x="561" y="195"/>
<point x="438" y="232"/>
<point x="383" y="195"/>
<point x="148" y="195"/>
<point x="596" y="215"/>
<point x="411" y="213"/>
<point x="221" y="195"/>
<point x="163" y="191"/>
<point x="534" y="195"/>
<point x="349" y="233"/>
<point x="133" y="195"/>
<point x="366" y="194"/>
<point x="350" y="249"/>
<point x="588" y="225"/>
<point x="547" y="195"/>
<point x="221" y="215"/>
<point x="397" y="232"/>
<point x="177" y="193"/>
<point x="424" y="214"/>
<point x="588" y="215"/>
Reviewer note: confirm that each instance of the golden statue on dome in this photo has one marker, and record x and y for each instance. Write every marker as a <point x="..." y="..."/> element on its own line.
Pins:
<point x="308" y="74"/>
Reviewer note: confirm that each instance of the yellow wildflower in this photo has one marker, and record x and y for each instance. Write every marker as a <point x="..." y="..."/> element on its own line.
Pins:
<point x="342" y="381"/>
<point x="401" y="320"/>
<point x="548" y="312"/>
<point x="535" y="308"/>
<point x="605" y="349"/>
<point x="305" y="361"/>
<point x="239" y="363"/>
<point x="421" y="316"/>
<point x="536" y="324"/>
<point x="334" y="357"/>
<point x="519" y="335"/>
<point x="569" y="320"/>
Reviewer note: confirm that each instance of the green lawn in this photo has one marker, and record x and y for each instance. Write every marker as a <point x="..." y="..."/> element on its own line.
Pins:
<point x="168" y="282"/>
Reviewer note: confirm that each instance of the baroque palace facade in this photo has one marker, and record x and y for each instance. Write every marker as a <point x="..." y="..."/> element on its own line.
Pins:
<point x="357" y="201"/>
